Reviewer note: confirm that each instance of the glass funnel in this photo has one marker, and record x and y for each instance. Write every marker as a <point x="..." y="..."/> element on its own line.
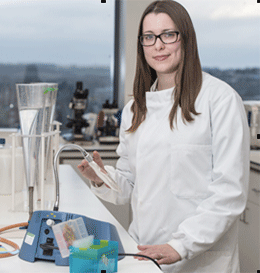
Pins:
<point x="36" y="105"/>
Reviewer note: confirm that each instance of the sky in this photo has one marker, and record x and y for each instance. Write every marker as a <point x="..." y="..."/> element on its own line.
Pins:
<point x="78" y="32"/>
<point x="228" y="31"/>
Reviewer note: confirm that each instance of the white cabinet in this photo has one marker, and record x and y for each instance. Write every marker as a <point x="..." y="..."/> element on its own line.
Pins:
<point x="249" y="226"/>
<point x="249" y="242"/>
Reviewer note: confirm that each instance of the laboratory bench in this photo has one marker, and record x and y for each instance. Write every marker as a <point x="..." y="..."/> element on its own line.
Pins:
<point x="75" y="197"/>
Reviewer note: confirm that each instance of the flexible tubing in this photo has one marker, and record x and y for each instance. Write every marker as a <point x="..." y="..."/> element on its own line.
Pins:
<point x="12" y="244"/>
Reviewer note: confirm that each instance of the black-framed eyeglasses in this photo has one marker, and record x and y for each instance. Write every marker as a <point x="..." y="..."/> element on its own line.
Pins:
<point x="166" y="37"/>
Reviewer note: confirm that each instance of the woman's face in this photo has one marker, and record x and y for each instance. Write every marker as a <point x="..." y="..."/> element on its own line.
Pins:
<point x="163" y="58"/>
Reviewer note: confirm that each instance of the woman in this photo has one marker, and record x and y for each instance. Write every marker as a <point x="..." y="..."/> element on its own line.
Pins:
<point x="184" y="152"/>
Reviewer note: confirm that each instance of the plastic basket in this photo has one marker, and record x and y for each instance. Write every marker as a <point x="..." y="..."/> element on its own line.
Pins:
<point x="101" y="257"/>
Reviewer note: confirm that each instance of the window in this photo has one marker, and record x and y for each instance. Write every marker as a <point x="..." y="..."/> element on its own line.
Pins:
<point x="62" y="41"/>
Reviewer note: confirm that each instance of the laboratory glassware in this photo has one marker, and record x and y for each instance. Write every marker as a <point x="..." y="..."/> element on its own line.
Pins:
<point x="36" y="106"/>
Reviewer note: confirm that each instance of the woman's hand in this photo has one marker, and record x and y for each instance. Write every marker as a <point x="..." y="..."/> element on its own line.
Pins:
<point x="86" y="170"/>
<point x="164" y="254"/>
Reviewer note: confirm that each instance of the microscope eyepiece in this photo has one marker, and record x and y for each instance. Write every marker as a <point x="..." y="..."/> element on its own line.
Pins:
<point x="79" y="85"/>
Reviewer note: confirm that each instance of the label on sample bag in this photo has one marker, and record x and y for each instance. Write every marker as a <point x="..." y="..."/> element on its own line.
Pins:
<point x="29" y="238"/>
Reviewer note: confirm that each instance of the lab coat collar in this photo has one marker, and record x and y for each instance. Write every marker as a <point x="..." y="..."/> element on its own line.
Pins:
<point x="155" y="98"/>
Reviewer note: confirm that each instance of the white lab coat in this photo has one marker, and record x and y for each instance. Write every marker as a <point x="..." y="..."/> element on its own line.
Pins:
<point x="187" y="187"/>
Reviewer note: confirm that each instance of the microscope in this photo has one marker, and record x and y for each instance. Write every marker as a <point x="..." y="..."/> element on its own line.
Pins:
<point x="108" y="123"/>
<point x="79" y="104"/>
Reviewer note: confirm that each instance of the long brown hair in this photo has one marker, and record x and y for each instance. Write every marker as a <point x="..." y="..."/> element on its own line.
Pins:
<point x="188" y="78"/>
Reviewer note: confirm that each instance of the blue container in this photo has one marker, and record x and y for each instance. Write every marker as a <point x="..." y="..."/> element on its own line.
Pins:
<point x="102" y="255"/>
